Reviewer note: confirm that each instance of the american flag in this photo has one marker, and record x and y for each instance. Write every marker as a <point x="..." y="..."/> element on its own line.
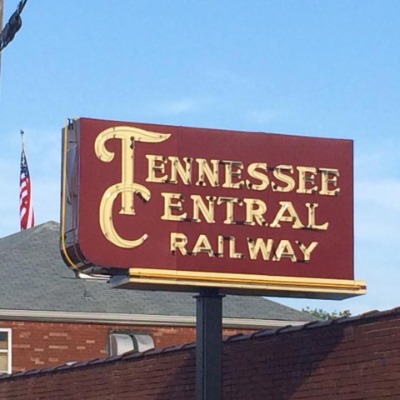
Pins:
<point x="27" y="219"/>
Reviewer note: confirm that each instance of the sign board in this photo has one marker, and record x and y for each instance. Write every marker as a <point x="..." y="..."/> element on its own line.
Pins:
<point x="177" y="208"/>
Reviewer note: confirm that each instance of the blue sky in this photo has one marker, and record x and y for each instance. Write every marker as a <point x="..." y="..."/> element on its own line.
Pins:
<point x="307" y="67"/>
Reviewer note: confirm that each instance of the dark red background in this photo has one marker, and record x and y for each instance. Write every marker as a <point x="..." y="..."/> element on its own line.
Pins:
<point x="332" y="258"/>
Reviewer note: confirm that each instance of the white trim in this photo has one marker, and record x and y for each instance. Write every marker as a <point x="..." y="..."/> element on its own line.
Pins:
<point x="94" y="277"/>
<point x="138" y="319"/>
<point x="8" y="351"/>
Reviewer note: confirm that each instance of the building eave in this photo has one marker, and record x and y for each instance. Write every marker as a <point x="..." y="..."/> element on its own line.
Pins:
<point x="137" y="319"/>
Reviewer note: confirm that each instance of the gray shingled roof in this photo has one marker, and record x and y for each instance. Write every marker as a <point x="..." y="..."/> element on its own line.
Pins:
<point x="34" y="277"/>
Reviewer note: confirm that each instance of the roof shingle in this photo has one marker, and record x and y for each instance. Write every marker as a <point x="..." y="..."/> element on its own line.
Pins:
<point x="34" y="277"/>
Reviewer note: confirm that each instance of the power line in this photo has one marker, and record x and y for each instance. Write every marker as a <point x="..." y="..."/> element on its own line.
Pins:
<point x="12" y="26"/>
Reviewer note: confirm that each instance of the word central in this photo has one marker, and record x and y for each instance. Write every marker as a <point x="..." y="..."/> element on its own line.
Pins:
<point x="254" y="211"/>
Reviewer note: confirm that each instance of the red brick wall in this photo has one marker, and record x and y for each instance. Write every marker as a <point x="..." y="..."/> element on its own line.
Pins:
<point x="355" y="359"/>
<point x="42" y="344"/>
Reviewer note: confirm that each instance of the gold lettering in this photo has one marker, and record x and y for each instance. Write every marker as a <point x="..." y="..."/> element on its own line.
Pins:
<point x="233" y="170"/>
<point x="232" y="249"/>
<point x="105" y="215"/>
<point x="203" y="246"/>
<point x="206" y="171"/>
<point x="184" y="172"/>
<point x="229" y="201"/>
<point x="304" y="179"/>
<point x="307" y="250"/>
<point x="199" y="205"/>
<point x="255" y="246"/>
<point x="178" y="241"/>
<point x="284" y="250"/>
<point x="260" y="175"/>
<point x="220" y="246"/>
<point x="173" y="202"/>
<point x="127" y="188"/>
<point x="279" y="173"/>
<point x="255" y="209"/>
<point x="156" y="164"/>
<point x="311" y="218"/>
<point x="329" y="176"/>
<point x="287" y="208"/>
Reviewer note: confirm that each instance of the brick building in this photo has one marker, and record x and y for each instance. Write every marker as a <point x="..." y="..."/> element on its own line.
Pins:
<point x="354" y="358"/>
<point x="49" y="317"/>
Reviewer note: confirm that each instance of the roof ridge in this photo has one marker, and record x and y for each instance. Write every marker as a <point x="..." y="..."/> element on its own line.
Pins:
<point x="35" y="228"/>
<point x="20" y="237"/>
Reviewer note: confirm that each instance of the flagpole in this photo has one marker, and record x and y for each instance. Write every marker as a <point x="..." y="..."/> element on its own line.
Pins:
<point x="1" y="15"/>
<point x="22" y="139"/>
<point x="1" y="27"/>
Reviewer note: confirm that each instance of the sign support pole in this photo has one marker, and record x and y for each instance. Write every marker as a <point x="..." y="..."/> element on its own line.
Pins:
<point x="209" y="345"/>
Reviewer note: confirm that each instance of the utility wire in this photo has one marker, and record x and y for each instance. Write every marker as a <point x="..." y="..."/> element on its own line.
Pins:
<point x="12" y="26"/>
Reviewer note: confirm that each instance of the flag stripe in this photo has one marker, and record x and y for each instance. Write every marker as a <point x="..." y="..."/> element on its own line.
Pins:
<point x="26" y="215"/>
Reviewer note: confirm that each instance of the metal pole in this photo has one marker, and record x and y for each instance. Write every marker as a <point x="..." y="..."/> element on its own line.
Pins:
<point x="209" y="345"/>
<point x="1" y="26"/>
<point x="1" y="15"/>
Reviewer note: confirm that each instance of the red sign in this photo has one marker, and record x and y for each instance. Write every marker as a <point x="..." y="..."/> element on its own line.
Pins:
<point x="191" y="202"/>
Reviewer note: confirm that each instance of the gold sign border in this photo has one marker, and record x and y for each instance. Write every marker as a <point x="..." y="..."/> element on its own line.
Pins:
<point x="279" y="286"/>
<point x="242" y="284"/>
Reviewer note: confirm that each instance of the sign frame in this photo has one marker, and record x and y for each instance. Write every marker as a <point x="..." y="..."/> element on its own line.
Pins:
<point x="74" y="240"/>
